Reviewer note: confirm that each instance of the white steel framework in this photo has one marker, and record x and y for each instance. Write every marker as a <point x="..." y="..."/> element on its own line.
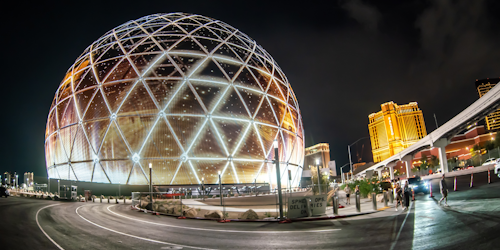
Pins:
<point x="187" y="93"/>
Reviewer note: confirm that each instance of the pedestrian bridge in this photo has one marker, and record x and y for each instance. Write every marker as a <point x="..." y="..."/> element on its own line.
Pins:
<point x="441" y="136"/>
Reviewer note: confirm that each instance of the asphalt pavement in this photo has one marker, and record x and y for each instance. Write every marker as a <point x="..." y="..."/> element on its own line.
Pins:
<point x="471" y="221"/>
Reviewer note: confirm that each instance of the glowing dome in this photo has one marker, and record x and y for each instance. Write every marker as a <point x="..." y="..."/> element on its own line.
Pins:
<point x="189" y="94"/>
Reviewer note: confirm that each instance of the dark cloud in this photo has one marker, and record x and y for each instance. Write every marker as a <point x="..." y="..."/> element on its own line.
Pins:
<point x="365" y="14"/>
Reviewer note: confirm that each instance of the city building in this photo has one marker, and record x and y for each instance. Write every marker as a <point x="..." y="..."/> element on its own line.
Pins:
<point x="28" y="179"/>
<point x="189" y="105"/>
<point x="7" y="178"/>
<point x="319" y="153"/>
<point x="394" y="128"/>
<point x="482" y="87"/>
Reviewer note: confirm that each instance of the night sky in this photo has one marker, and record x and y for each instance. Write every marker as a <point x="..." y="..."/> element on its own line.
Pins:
<point x="342" y="58"/>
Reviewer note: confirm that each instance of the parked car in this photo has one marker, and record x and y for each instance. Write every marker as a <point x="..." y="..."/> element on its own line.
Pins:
<point x="457" y="168"/>
<point x="497" y="167"/>
<point x="385" y="185"/>
<point x="418" y="185"/>
<point x="489" y="161"/>
<point x="469" y="167"/>
<point x="4" y="192"/>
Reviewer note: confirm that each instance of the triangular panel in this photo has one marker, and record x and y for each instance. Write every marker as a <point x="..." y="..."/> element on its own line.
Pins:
<point x="59" y="154"/>
<point x="230" y="131"/>
<point x="229" y="175"/>
<point x="267" y="134"/>
<point x="81" y="150"/>
<point x="208" y="92"/>
<point x="68" y="136"/>
<point x="163" y="90"/>
<point x="95" y="132"/>
<point x="261" y="78"/>
<point x="137" y="176"/>
<point x="288" y="122"/>
<point x="265" y="113"/>
<point x="99" y="175"/>
<point x="187" y="64"/>
<point x="138" y="102"/>
<point x="69" y="115"/>
<point x="83" y="170"/>
<point x="247" y="79"/>
<point x="163" y="170"/>
<point x="135" y="129"/>
<point x="83" y="99"/>
<point x="279" y="108"/>
<point x="103" y="68"/>
<point x="113" y="145"/>
<point x="208" y="169"/>
<point x="207" y="145"/>
<point x="246" y="170"/>
<point x="87" y="81"/>
<point x="230" y="68"/>
<point x="184" y="175"/>
<point x="188" y="45"/>
<point x="122" y="72"/>
<point x="251" y="99"/>
<point x="231" y="106"/>
<point x="97" y="108"/>
<point x="211" y="71"/>
<point x="224" y="50"/>
<point x="185" y="102"/>
<point x="72" y="175"/>
<point x="250" y="147"/>
<point x="63" y="171"/>
<point x="186" y="128"/>
<point x="117" y="171"/>
<point x="161" y="143"/>
<point x="116" y="92"/>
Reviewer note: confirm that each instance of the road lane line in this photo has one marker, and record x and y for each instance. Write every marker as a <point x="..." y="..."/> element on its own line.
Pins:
<point x="402" y="225"/>
<point x="134" y="236"/>
<point x="46" y="235"/>
<point x="220" y="230"/>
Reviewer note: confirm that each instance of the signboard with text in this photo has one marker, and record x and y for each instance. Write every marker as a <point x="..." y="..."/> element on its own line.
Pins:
<point x="299" y="206"/>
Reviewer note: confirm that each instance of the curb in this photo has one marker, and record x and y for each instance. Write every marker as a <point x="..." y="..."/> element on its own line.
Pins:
<point x="270" y="220"/>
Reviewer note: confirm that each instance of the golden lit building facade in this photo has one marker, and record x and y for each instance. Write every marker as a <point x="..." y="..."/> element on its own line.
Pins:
<point x="482" y="87"/>
<point x="319" y="152"/>
<point x="394" y="128"/>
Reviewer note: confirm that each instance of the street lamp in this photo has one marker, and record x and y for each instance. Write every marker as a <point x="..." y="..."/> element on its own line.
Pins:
<point x="349" y="150"/>
<point x="342" y="171"/>
<point x="319" y="177"/>
<point x="278" y="176"/>
<point x="151" y="183"/>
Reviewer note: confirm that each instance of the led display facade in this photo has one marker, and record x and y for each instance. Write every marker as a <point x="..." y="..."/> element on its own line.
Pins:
<point x="188" y="94"/>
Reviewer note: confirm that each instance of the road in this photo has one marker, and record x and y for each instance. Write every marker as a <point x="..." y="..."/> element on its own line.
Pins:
<point x="471" y="221"/>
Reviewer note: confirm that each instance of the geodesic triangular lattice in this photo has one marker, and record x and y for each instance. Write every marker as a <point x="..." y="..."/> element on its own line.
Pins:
<point x="189" y="94"/>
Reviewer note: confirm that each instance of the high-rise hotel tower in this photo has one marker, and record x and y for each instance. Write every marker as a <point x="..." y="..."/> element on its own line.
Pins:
<point x="483" y="86"/>
<point x="394" y="128"/>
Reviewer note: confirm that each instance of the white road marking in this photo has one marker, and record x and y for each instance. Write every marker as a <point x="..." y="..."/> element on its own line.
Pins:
<point x="134" y="236"/>
<point x="36" y="218"/>
<point x="402" y="225"/>
<point x="220" y="230"/>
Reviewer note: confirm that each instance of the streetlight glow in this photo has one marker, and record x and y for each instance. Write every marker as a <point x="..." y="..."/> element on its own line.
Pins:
<point x="150" y="165"/>
<point x="275" y="143"/>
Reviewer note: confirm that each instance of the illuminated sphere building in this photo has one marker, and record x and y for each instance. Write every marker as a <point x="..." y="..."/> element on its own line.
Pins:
<point x="188" y="94"/>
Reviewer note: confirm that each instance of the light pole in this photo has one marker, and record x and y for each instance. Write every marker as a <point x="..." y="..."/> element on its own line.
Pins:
<point x="220" y="189"/>
<point x="278" y="177"/>
<point x="319" y="177"/>
<point x="203" y="187"/>
<point x="342" y="172"/>
<point x="151" y="183"/>
<point x="58" y="188"/>
<point x="349" y="150"/>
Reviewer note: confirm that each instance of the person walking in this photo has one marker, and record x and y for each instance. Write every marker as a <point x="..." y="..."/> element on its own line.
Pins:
<point x="444" y="191"/>
<point x="347" y="191"/>
<point x="406" y="196"/>
<point x="399" y="196"/>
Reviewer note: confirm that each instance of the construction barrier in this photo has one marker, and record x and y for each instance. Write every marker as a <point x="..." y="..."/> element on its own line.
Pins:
<point x="374" y="201"/>
<point x="412" y="194"/>
<point x="471" y="179"/>
<point x="430" y="190"/>
<point x="489" y="178"/>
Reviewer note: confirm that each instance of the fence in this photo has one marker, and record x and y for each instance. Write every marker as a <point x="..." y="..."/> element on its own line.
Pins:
<point x="181" y="202"/>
